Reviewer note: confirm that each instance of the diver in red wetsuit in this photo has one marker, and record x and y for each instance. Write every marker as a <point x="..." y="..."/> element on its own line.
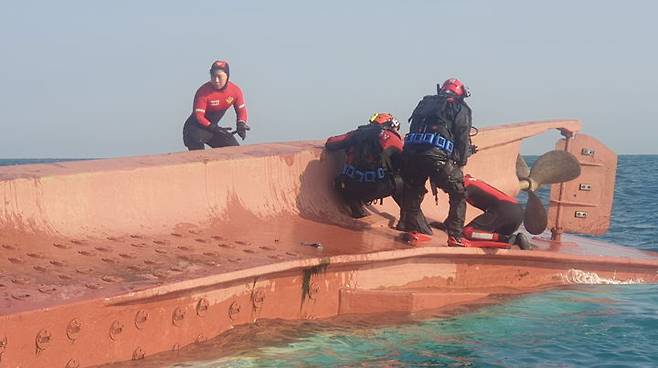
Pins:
<point x="211" y="101"/>
<point x="373" y="153"/>
<point x="501" y="218"/>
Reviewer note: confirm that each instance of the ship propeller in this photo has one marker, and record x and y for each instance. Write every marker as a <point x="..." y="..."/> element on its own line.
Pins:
<point x="550" y="168"/>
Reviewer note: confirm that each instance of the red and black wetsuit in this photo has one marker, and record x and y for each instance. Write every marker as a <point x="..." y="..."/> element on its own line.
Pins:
<point x="502" y="213"/>
<point x="390" y="144"/>
<point x="372" y="162"/>
<point x="210" y="104"/>
<point x="209" y="107"/>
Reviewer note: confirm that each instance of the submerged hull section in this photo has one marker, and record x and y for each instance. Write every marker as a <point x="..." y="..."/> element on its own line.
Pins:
<point x="112" y="260"/>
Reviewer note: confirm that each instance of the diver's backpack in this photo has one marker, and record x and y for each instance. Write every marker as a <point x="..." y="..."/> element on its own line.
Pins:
<point x="429" y="112"/>
<point x="366" y="149"/>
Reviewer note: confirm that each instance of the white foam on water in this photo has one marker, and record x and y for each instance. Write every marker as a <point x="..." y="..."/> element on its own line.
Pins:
<point x="574" y="276"/>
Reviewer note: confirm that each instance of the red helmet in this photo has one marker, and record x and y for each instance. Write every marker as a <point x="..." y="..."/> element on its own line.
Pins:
<point x="385" y="119"/>
<point x="455" y="87"/>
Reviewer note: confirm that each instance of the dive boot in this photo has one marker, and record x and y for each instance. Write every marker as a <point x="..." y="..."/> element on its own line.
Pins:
<point x="410" y="223"/>
<point x="511" y="239"/>
<point x="522" y="241"/>
<point x="459" y="242"/>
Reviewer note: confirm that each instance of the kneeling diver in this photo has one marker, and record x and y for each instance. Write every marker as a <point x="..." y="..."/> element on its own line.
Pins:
<point x="373" y="155"/>
<point x="501" y="218"/>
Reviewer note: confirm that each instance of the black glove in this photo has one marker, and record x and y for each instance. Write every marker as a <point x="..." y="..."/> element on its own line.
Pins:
<point x="216" y="129"/>
<point x="456" y="164"/>
<point x="473" y="148"/>
<point x="242" y="128"/>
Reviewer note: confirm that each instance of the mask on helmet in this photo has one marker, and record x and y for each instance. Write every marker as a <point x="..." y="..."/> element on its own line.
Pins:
<point x="385" y="120"/>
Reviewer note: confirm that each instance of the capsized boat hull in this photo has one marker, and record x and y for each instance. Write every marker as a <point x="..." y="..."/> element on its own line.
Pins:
<point x="114" y="260"/>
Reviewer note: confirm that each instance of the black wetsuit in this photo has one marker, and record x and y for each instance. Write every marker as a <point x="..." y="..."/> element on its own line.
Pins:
<point x="195" y="136"/>
<point x="449" y="119"/>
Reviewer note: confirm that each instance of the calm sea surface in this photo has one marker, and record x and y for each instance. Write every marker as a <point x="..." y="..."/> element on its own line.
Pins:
<point x="594" y="326"/>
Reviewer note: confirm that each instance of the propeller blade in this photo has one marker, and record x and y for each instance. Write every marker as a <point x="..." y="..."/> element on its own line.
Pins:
<point x="522" y="170"/>
<point x="555" y="167"/>
<point x="535" y="219"/>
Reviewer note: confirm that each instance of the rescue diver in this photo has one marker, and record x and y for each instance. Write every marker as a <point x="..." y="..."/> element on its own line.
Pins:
<point x="437" y="147"/>
<point x="373" y="154"/>
<point x="501" y="218"/>
<point x="211" y="101"/>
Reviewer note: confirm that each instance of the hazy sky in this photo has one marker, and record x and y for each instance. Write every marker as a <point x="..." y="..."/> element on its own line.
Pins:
<point x="116" y="78"/>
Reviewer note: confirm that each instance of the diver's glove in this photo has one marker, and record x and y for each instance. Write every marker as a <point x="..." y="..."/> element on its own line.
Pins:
<point x="242" y="128"/>
<point x="217" y="129"/>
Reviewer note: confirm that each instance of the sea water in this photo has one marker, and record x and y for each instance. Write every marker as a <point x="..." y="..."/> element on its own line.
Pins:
<point x="601" y="326"/>
<point x="587" y="326"/>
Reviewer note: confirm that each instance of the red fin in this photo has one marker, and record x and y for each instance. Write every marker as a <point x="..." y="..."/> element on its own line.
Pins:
<point x="415" y="237"/>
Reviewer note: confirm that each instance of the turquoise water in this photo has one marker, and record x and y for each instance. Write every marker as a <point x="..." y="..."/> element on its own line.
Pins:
<point x="601" y="326"/>
<point x="598" y="326"/>
<point x="634" y="221"/>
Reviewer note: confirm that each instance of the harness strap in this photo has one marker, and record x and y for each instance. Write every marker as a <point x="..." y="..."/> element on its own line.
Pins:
<point x="434" y="139"/>
<point x="369" y="176"/>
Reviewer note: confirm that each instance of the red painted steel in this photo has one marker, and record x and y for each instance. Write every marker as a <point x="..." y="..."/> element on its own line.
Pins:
<point x="114" y="260"/>
<point x="584" y="205"/>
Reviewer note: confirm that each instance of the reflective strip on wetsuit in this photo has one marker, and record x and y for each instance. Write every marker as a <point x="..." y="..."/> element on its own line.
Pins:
<point x="474" y="234"/>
